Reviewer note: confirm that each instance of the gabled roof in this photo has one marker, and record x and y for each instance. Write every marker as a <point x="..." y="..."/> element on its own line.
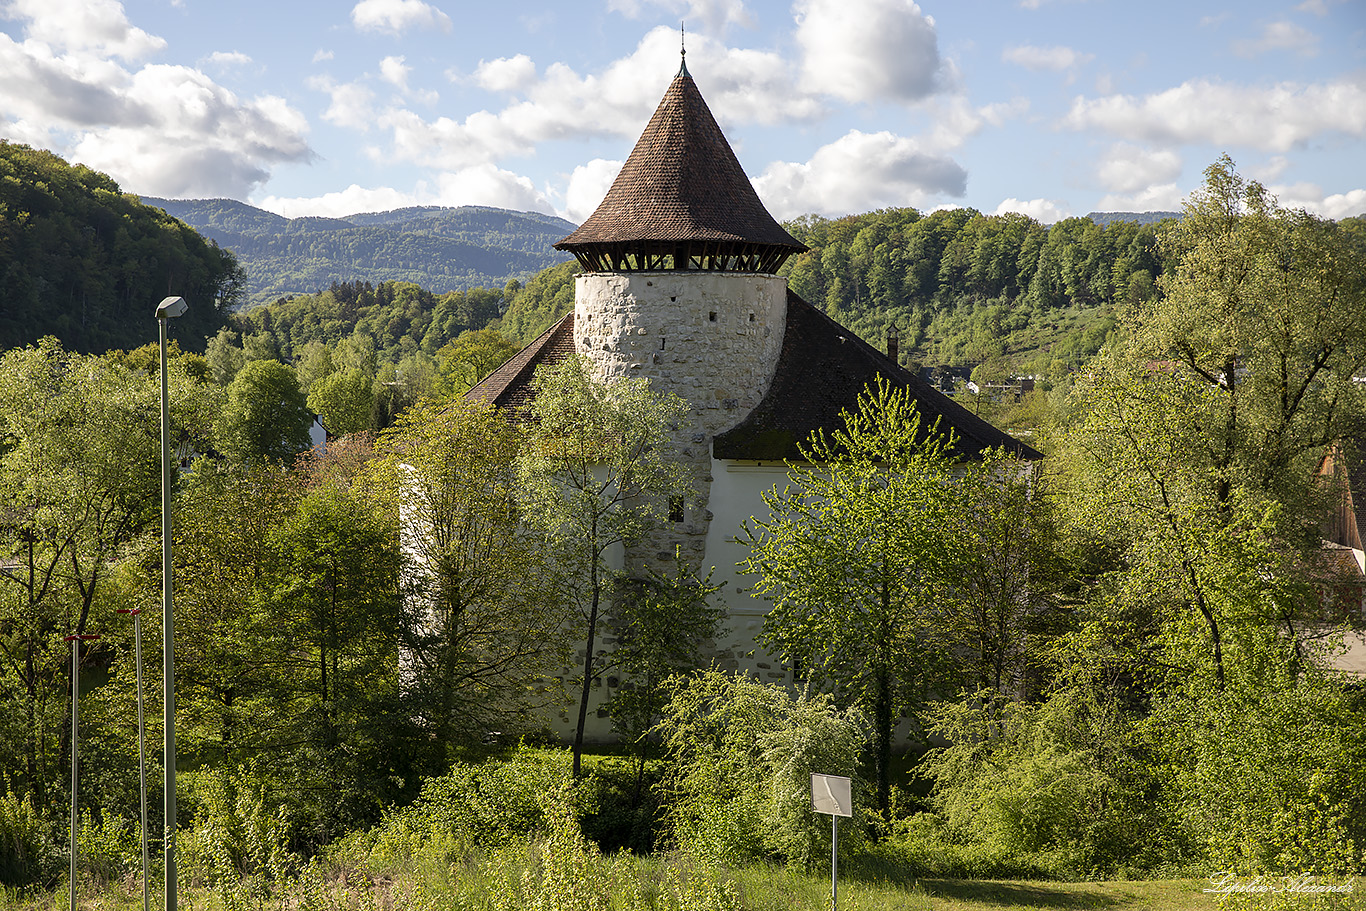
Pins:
<point x="681" y="183"/>
<point x="509" y="386"/>
<point x="822" y="370"/>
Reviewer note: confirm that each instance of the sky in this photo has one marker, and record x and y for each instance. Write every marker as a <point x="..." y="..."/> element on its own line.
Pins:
<point x="1053" y="108"/>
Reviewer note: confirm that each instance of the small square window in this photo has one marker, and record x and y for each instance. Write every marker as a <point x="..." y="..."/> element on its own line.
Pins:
<point x="751" y="317"/>
<point x="711" y="317"/>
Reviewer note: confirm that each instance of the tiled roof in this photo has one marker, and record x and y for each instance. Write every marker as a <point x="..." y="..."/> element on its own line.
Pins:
<point x="510" y="386"/>
<point x="821" y="371"/>
<point x="681" y="182"/>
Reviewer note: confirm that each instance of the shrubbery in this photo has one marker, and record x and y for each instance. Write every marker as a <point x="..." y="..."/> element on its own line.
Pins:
<point x="741" y="756"/>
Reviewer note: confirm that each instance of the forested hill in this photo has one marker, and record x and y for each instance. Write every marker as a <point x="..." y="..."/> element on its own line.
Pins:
<point x="81" y="260"/>
<point x="441" y="249"/>
<point x="1140" y="218"/>
<point x="1000" y="292"/>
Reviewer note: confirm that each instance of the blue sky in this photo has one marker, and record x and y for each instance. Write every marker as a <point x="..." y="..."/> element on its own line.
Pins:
<point x="1048" y="107"/>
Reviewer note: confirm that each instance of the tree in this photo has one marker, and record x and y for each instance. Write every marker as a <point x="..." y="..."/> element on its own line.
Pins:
<point x="853" y="560"/>
<point x="591" y="476"/>
<point x="79" y="483"/>
<point x="1001" y="571"/>
<point x="1195" y="445"/>
<point x="470" y="358"/>
<point x="661" y="625"/>
<point x="265" y="416"/>
<point x="479" y="626"/>
<point x="334" y="606"/>
<point x="343" y="400"/>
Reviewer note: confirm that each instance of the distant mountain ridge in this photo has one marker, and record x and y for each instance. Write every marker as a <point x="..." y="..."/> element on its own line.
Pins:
<point x="438" y="247"/>
<point x="1141" y="218"/>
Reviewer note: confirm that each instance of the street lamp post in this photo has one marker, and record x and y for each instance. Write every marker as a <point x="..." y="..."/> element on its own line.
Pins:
<point x="169" y="308"/>
<point x="142" y="742"/>
<point x="75" y="639"/>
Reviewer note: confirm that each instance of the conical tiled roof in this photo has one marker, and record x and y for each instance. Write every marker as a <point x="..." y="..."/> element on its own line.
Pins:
<point x="682" y="192"/>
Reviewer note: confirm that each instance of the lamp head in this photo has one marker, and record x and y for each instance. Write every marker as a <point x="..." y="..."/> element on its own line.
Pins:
<point x="171" y="307"/>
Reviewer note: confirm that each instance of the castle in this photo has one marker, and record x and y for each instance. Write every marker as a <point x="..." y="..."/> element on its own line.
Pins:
<point x="679" y="285"/>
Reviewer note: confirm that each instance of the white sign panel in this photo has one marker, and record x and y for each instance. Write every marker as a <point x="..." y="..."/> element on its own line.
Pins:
<point x="830" y="794"/>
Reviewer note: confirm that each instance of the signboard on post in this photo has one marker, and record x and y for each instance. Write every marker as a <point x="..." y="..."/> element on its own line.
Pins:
<point x="832" y="795"/>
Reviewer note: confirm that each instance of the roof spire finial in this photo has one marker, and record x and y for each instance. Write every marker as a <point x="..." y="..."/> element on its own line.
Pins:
<point x="683" y="50"/>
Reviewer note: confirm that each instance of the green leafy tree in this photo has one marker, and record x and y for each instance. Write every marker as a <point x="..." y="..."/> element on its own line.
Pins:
<point x="470" y="358"/>
<point x="480" y="626"/>
<point x="334" y="605"/>
<point x="265" y="416"/>
<point x="79" y="484"/>
<point x="661" y="625"/>
<point x="592" y="475"/>
<point x="852" y="557"/>
<point x="344" y="401"/>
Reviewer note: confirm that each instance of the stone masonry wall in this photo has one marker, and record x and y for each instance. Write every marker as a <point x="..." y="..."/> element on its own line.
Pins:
<point x="713" y="339"/>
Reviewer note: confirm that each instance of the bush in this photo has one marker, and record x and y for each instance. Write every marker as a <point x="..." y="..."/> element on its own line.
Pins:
<point x="110" y="848"/>
<point x="1065" y="786"/>
<point x="740" y="758"/>
<point x="472" y="806"/>
<point x="27" y="855"/>
<point x="236" y="835"/>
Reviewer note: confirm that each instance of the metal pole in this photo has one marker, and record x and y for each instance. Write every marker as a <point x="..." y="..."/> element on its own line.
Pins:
<point x="75" y="731"/>
<point x="834" y="863"/>
<point x="168" y="632"/>
<point x="142" y="752"/>
<point x="142" y="745"/>
<point x="75" y="639"/>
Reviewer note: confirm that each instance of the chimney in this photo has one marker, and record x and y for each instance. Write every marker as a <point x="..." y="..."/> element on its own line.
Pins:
<point x="892" y="340"/>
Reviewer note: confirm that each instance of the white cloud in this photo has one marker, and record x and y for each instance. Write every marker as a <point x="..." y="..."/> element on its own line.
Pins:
<point x="858" y="172"/>
<point x="396" y="16"/>
<point x="1310" y="197"/>
<point x="352" y="103"/>
<point x="505" y="74"/>
<point x="588" y="185"/>
<point x="486" y="185"/>
<point x="1045" y="211"/>
<point x="955" y="121"/>
<point x="157" y="130"/>
<point x="226" y="59"/>
<point x="867" y="50"/>
<point x="199" y="139"/>
<point x="1128" y="168"/>
<point x="87" y="27"/>
<point x="1056" y="58"/>
<point x="319" y="56"/>
<point x="1279" y="36"/>
<point x="339" y="205"/>
<point x="715" y="15"/>
<point x="1274" y="119"/>
<point x="1161" y="198"/>
<point x="740" y="85"/>
<point x="393" y="71"/>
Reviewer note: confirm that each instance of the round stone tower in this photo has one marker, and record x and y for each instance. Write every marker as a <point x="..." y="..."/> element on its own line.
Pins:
<point x="678" y="285"/>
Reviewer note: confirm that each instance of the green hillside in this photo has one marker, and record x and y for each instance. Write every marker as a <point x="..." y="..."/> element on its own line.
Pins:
<point x="441" y="249"/>
<point x="84" y="261"/>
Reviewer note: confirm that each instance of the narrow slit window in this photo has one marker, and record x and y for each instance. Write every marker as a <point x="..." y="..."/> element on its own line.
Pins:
<point x="675" y="509"/>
